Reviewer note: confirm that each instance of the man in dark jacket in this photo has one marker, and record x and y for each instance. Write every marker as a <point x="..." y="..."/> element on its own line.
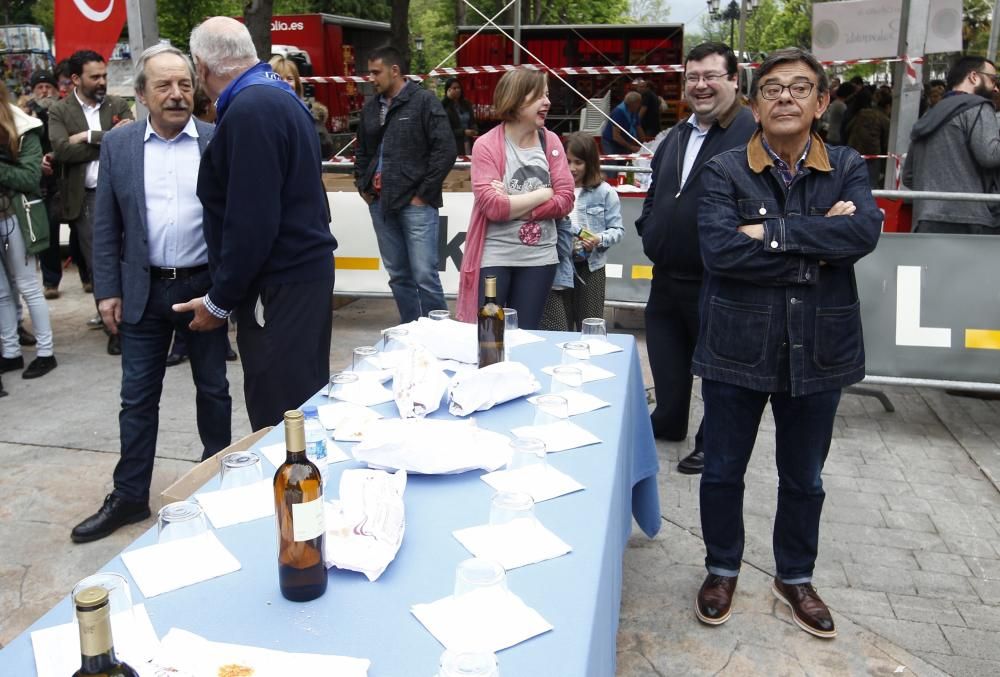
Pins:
<point x="956" y="148"/>
<point x="405" y="149"/>
<point x="669" y="230"/>
<point x="781" y="222"/>
<point x="76" y="126"/>
<point x="267" y="225"/>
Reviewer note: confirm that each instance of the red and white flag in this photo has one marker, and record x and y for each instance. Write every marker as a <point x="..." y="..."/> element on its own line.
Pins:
<point x="88" y="24"/>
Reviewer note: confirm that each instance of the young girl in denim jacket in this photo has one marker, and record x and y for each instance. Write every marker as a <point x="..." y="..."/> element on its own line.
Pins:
<point x="594" y="225"/>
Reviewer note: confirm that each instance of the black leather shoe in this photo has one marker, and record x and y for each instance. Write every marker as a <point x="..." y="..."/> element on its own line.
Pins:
<point x="114" y="345"/>
<point x="25" y="337"/>
<point x="40" y="366"/>
<point x="11" y="363"/>
<point x="714" y="604"/>
<point x="3" y="393"/>
<point x="174" y="359"/>
<point x="231" y="355"/>
<point x="808" y="611"/>
<point x="693" y="463"/>
<point x="114" y="514"/>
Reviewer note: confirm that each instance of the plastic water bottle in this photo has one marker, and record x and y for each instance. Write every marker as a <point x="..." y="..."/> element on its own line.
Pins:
<point x="315" y="439"/>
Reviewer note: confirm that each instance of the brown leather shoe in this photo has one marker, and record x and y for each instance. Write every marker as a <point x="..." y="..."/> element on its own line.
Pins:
<point x="808" y="611"/>
<point x="714" y="604"/>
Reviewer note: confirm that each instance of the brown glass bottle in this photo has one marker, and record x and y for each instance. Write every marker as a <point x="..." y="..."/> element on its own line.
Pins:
<point x="491" y="325"/>
<point x="298" y="506"/>
<point x="97" y="651"/>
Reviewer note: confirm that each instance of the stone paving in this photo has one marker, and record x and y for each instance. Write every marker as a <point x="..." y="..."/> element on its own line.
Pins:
<point x="909" y="551"/>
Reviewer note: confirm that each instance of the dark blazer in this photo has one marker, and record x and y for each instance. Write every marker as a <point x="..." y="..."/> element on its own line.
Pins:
<point x="418" y="148"/>
<point x="66" y="118"/>
<point x="121" y="241"/>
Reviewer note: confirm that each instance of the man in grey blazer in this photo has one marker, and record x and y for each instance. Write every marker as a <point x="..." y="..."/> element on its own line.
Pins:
<point x="150" y="253"/>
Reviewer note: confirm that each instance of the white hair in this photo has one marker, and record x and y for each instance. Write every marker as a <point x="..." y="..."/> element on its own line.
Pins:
<point x="224" y="45"/>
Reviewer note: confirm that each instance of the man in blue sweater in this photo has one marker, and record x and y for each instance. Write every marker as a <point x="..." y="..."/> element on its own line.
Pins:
<point x="267" y="225"/>
<point x="669" y="229"/>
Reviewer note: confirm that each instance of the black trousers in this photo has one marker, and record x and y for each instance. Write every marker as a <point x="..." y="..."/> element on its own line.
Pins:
<point x="287" y="360"/>
<point x="671" y="335"/>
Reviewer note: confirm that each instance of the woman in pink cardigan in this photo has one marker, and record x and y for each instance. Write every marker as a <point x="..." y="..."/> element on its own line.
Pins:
<point x="522" y="187"/>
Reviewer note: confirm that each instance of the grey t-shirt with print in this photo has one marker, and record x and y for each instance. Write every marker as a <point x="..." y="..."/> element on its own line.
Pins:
<point x="519" y="242"/>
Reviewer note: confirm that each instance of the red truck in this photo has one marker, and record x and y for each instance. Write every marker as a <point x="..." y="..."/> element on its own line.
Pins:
<point x="576" y="46"/>
<point x="333" y="45"/>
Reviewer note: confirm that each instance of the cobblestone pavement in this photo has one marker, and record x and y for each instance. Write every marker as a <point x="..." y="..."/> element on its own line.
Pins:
<point x="909" y="550"/>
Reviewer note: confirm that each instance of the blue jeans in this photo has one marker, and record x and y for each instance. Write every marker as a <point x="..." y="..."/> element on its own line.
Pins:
<point x="523" y="288"/>
<point x="803" y="428"/>
<point x="408" y="243"/>
<point x="144" y="353"/>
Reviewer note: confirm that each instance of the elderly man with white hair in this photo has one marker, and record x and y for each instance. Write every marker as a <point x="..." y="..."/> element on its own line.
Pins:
<point x="270" y="250"/>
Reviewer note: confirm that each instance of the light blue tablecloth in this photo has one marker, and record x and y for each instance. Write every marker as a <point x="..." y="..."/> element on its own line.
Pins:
<point x="579" y="594"/>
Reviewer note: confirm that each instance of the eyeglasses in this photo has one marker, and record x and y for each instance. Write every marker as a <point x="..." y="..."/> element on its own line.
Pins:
<point x="992" y="76"/>
<point x="798" y="90"/>
<point x="709" y="78"/>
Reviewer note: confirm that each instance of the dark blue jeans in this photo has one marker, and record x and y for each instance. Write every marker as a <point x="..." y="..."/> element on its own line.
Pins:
<point x="803" y="428"/>
<point x="523" y="288"/>
<point x="408" y="243"/>
<point x="144" y="353"/>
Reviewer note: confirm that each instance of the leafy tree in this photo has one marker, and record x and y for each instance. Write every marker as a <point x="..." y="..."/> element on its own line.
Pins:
<point x="649" y="11"/>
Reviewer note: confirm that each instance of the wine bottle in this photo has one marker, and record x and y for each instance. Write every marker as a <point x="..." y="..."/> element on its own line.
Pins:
<point x="97" y="650"/>
<point x="298" y="506"/>
<point x="491" y="324"/>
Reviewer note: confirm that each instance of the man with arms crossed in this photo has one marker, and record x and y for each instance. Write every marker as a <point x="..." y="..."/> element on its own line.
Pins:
<point x="149" y="253"/>
<point x="266" y="223"/>
<point x="781" y="224"/>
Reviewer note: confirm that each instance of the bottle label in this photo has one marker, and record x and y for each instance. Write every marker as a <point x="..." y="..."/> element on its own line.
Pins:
<point x="307" y="520"/>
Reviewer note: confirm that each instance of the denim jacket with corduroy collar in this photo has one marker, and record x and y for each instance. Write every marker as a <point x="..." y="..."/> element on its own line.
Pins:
<point x="783" y="314"/>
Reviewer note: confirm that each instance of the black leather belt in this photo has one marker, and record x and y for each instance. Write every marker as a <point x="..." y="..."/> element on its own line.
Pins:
<point x="175" y="273"/>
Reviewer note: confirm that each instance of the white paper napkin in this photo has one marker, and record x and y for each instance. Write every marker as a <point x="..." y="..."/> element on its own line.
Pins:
<point x="520" y="337"/>
<point x="515" y="544"/>
<point x="485" y="388"/>
<point x="491" y="619"/>
<point x="446" y="339"/>
<point x="188" y="655"/>
<point x="366" y="392"/>
<point x="558" y="436"/>
<point x="226" y="507"/>
<point x="577" y="402"/>
<point x="274" y="453"/>
<point x="337" y="414"/>
<point x="590" y="372"/>
<point x="57" y="649"/>
<point x="431" y="446"/>
<point x="598" y="347"/>
<point x="541" y="482"/>
<point x="163" y="567"/>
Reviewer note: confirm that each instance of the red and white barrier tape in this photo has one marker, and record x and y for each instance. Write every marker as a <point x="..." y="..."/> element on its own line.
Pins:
<point x="598" y="70"/>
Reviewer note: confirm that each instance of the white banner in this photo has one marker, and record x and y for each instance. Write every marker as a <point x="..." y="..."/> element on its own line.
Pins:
<point x="869" y="29"/>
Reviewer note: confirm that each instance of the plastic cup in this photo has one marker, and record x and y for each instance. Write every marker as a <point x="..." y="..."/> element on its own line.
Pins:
<point x="182" y="519"/>
<point x="507" y="506"/>
<point x="341" y="384"/>
<point x="468" y="664"/>
<point x="526" y="452"/>
<point x="594" y="329"/>
<point x="566" y="377"/>
<point x="439" y="315"/>
<point x="550" y="409"/>
<point x="476" y="573"/>
<point x="241" y="468"/>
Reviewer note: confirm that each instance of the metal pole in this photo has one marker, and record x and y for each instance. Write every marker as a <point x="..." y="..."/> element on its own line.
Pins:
<point x="743" y="30"/>
<point x="143" y="32"/>
<point x="991" y="51"/>
<point x="517" y="33"/>
<point x="906" y="89"/>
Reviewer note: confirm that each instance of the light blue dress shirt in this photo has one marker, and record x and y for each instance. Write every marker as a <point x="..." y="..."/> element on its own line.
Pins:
<point x="173" y="211"/>
<point x="694" y="145"/>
